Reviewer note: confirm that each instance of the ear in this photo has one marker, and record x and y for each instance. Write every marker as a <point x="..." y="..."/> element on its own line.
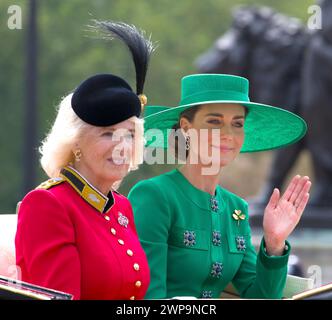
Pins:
<point x="75" y="146"/>
<point x="185" y="124"/>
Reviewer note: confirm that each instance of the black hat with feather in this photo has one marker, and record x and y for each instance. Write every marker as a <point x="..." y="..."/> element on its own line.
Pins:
<point x="106" y="99"/>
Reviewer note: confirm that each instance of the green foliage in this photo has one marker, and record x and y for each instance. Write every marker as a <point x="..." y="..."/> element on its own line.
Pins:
<point x="68" y="53"/>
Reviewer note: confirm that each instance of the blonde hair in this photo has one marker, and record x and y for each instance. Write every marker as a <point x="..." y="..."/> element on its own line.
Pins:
<point x="57" y="148"/>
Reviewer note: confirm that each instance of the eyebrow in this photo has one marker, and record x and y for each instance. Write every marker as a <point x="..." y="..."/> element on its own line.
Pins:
<point x="221" y="115"/>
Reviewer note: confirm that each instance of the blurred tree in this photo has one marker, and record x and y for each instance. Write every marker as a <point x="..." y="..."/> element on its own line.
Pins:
<point x="30" y="114"/>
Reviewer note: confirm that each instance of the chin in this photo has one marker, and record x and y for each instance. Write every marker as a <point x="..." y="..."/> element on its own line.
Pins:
<point x="220" y="162"/>
<point x="226" y="162"/>
<point x="116" y="172"/>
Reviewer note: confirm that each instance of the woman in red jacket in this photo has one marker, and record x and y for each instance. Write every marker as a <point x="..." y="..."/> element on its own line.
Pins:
<point x="75" y="233"/>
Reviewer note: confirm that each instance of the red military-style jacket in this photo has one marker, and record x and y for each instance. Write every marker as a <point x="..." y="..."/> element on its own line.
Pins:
<point x="72" y="238"/>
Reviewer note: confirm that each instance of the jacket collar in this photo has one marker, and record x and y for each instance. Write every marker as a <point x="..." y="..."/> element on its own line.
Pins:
<point x="201" y="198"/>
<point x="86" y="190"/>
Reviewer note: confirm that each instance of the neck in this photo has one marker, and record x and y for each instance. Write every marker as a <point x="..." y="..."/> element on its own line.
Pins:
<point x="207" y="183"/>
<point x="100" y="184"/>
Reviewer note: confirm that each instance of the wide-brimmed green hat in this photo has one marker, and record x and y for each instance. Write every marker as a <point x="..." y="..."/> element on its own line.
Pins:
<point x="266" y="127"/>
<point x="149" y="110"/>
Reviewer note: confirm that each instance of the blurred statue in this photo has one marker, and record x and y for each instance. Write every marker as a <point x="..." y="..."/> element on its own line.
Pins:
<point x="275" y="53"/>
<point x="317" y="105"/>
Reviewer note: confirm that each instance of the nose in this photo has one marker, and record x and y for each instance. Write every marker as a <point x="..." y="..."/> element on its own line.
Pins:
<point x="226" y="132"/>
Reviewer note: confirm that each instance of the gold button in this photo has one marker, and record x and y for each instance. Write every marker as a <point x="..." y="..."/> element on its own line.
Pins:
<point x="138" y="283"/>
<point x="132" y="298"/>
<point x="107" y="218"/>
<point x="113" y="231"/>
<point x="121" y="242"/>
<point x="130" y="253"/>
<point x="136" y="266"/>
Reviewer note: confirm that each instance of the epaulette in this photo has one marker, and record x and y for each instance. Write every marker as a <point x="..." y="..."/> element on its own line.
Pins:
<point x="50" y="183"/>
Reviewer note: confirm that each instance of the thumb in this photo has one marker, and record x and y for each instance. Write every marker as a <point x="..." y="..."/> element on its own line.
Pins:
<point x="274" y="199"/>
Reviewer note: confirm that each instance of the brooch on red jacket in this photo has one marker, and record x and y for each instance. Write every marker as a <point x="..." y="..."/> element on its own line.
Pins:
<point x="123" y="220"/>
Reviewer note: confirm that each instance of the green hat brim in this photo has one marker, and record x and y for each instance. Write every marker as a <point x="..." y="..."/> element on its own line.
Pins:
<point x="266" y="127"/>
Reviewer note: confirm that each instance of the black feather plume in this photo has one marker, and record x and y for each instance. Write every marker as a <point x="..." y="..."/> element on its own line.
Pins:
<point x="139" y="46"/>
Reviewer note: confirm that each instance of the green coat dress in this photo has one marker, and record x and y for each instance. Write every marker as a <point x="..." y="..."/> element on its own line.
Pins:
<point x="197" y="244"/>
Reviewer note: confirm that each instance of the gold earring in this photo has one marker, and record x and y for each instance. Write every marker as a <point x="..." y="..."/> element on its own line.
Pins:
<point x="78" y="155"/>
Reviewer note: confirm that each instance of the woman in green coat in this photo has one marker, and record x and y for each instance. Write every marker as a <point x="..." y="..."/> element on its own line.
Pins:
<point x="195" y="233"/>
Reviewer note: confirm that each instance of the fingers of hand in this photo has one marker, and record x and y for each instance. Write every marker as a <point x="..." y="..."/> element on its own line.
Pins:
<point x="274" y="199"/>
<point x="291" y="187"/>
<point x="297" y="192"/>
<point x="303" y="196"/>
<point x="302" y="204"/>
